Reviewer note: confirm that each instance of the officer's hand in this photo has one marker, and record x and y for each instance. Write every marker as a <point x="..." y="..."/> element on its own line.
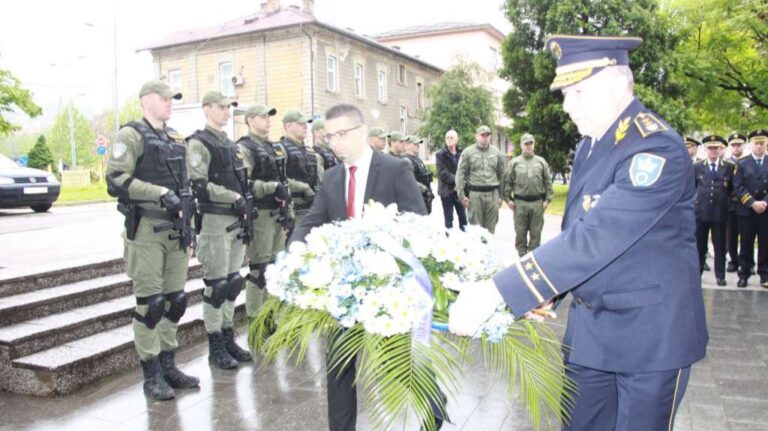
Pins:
<point x="546" y="204"/>
<point x="171" y="202"/>
<point x="465" y="202"/>
<point x="511" y="205"/>
<point x="309" y="195"/>
<point x="501" y="202"/>
<point x="282" y="193"/>
<point x="759" y="206"/>
<point x="240" y="206"/>
<point x="542" y="312"/>
<point x="475" y="304"/>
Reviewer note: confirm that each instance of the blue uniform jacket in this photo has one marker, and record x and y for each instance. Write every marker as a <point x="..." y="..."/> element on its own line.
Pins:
<point x="713" y="191"/>
<point x="627" y="253"/>
<point x="751" y="184"/>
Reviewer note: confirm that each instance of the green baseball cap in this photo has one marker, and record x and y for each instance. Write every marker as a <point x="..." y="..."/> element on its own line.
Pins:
<point x="527" y="137"/>
<point x="159" y="87"/>
<point x="218" y="98"/>
<point x="483" y="129"/>
<point x="377" y="132"/>
<point x="397" y="136"/>
<point x="257" y="110"/>
<point x="413" y="139"/>
<point x="296" y="117"/>
<point x="317" y="125"/>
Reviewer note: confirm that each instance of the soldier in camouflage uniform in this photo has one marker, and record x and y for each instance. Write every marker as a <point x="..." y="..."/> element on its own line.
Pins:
<point x="478" y="177"/>
<point x="377" y="138"/>
<point x="527" y="188"/>
<point x="420" y="172"/>
<point x="156" y="264"/>
<point x="397" y="143"/>
<point x="304" y="166"/>
<point x="213" y="161"/>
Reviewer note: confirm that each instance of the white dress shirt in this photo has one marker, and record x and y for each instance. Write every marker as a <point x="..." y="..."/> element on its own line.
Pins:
<point x="361" y="179"/>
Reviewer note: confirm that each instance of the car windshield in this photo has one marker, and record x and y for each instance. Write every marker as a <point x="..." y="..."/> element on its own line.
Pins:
<point x="7" y="163"/>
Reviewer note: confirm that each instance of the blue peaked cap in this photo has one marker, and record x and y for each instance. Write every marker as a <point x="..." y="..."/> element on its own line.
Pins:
<point x="579" y="57"/>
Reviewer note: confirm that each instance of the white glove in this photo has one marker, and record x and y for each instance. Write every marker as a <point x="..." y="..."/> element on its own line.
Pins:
<point x="476" y="303"/>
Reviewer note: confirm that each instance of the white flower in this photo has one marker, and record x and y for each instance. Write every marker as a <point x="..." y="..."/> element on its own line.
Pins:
<point x="377" y="263"/>
<point x="319" y="274"/>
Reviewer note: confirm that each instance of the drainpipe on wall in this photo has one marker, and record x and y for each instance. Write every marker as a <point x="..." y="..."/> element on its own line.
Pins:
<point x="264" y="68"/>
<point x="311" y="70"/>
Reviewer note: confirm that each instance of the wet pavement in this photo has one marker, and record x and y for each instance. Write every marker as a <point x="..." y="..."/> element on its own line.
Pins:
<point x="728" y="389"/>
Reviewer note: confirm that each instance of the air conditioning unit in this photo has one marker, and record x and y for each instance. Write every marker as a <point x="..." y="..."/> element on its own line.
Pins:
<point x="238" y="80"/>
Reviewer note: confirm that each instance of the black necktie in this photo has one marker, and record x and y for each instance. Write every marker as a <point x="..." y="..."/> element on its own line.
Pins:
<point x="760" y="163"/>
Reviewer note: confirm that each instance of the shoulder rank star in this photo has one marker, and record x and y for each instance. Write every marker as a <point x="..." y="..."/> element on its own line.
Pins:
<point x="621" y="130"/>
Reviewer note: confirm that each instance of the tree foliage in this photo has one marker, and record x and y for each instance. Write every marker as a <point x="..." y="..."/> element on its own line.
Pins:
<point x="531" y="69"/>
<point x="12" y="98"/>
<point x="459" y="102"/>
<point x="40" y="156"/>
<point x="725" y="58"/>
<point x="85" y="138"/>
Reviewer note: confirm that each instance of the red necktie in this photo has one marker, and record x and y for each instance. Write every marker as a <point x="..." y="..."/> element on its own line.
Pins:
<point x="351" y="193"/>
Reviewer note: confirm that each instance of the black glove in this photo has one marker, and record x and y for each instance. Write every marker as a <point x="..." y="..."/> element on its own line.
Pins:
<point x="282" y="193"/>
<point x="240" y="206"/>
<point x="309" y="195"/>
<point x="171" y="202"/>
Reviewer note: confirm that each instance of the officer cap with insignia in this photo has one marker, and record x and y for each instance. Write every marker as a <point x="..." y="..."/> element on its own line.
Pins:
<point x="714" y="141"/>
<point x="258" y="110"/>
<point x="159" y="87"/>
<point x="413" y="139"/>
<point x="317" y="125"/>
<point x="296" y="117"/>
<point x="218" y="98"/>
<point x="579" y="57"/>
<point x="690" y="142"/>
<point x="377" y="132"/>
<point x="736" y="138"/>
<point x="759" y="134"/>
<point x="397" y="136"/>
<point x="526" y="138"/>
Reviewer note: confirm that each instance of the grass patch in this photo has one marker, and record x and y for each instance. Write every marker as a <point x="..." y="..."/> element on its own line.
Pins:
<point x="96" y="192"/>
<point x="557" y="206"/>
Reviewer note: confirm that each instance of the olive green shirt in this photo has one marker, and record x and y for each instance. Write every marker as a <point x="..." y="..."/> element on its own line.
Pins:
<point x="479" y="167"/>
<point x="128" y="148"/>
<point x="198" y="163"/>
<point x="527" y="176"/>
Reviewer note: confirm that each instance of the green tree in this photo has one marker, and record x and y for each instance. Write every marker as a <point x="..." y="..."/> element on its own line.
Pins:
<point x="459" y="102"/>
<point x="40" y="155"/>
<point x="725" y="58"/>
<point x="130" y="111"/>
<point x="85" y="138"/>
<point x="531" y="69"/>
<point x="13" y="97"/>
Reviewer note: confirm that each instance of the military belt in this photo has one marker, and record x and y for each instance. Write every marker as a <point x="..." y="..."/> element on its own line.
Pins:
<point x="215" y="209"/>
<point x="472" y="188"/>
<point x="534" y="198"/>
<point x="156" y="214"/>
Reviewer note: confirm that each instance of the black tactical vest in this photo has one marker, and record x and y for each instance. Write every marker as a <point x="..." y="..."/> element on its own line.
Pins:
<point x="329" y="159"/>
<point x="151" y="167"/>
<point x="301" y="164"/>
<point x="265" y="167"/>
<point x="224" y="160"/>
<point x="420" y="170"/>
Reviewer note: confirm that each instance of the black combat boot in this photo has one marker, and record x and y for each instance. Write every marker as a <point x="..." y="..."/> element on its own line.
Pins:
<point x="173" y="375"/>
<point x="155" y="385"/>
<point x="241" y="355"/>
<point x="217" y="352"/>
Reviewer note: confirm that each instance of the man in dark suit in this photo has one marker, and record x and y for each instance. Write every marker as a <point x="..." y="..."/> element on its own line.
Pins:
<point x="751" y="183"/>
<point x="447" y="160"/>
<point x="363" y="175"/>
<point x="714" y="187"/>
<point x="627" y="251"/>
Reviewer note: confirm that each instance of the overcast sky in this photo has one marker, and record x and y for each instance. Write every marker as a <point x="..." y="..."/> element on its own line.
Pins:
<point x="63" y="49"/>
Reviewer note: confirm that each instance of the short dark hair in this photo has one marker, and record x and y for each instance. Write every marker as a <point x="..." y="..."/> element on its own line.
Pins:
<point x="344" y="110"/>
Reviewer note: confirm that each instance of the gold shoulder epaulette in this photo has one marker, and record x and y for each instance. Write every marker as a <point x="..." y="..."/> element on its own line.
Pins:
<point x="647" y="124"/>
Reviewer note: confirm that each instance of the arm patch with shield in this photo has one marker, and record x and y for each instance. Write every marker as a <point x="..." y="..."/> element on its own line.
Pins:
<point x="645" y="169"/>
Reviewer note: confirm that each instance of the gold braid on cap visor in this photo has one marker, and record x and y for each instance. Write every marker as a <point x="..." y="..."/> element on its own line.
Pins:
<point x="575" y="72"/>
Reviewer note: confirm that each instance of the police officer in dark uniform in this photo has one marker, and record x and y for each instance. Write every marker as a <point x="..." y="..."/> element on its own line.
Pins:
<point x="751" y="183"/>
<point x="736" y="143"/>
<point x="714" y="188"/>
<point x="692" y="145"/>
<point x="420" y="172"/>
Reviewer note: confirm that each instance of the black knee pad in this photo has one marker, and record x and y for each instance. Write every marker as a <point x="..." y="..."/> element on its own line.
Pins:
<point x="219" y="288"/>
<point x="177" y="305"/>
<point x="155" y="310"/>
<point x="259" y="280"/>
<point x="236" y="284"/>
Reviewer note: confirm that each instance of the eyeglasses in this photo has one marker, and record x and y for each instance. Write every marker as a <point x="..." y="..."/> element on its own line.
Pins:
<point x="340" y="134"/>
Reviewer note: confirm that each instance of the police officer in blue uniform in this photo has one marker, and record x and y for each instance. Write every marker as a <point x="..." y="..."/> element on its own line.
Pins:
<point x="736" y="143"/>
<point x="751" y="184"/>
<point x="714" y="188"/>
<point x="626" y="253"/>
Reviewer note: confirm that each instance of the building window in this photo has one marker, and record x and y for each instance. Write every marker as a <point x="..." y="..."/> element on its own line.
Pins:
<point x="403" y="118"/>
<point x="382" y="86"/>
<point x="494" y="59"/>
<point x="333" y="73"/>
<point x="359" y="82"/>
<point x="226" y="72"/>
<point x="401" y="74"/>
<point x="419" y="96"/>
<point x="174" y="80"/>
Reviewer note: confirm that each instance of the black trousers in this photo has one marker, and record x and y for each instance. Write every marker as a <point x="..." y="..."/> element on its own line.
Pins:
<point x="450" y="204"/>
<point x="718" y="244"/>
<point x="732" y="237"/>
<point x="755" y="225"/>
<point x="342" y="400"/>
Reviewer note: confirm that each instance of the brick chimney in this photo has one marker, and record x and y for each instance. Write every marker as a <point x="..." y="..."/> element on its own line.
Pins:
<point x="308" y="7"/>
<point x="270" y="6"/>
